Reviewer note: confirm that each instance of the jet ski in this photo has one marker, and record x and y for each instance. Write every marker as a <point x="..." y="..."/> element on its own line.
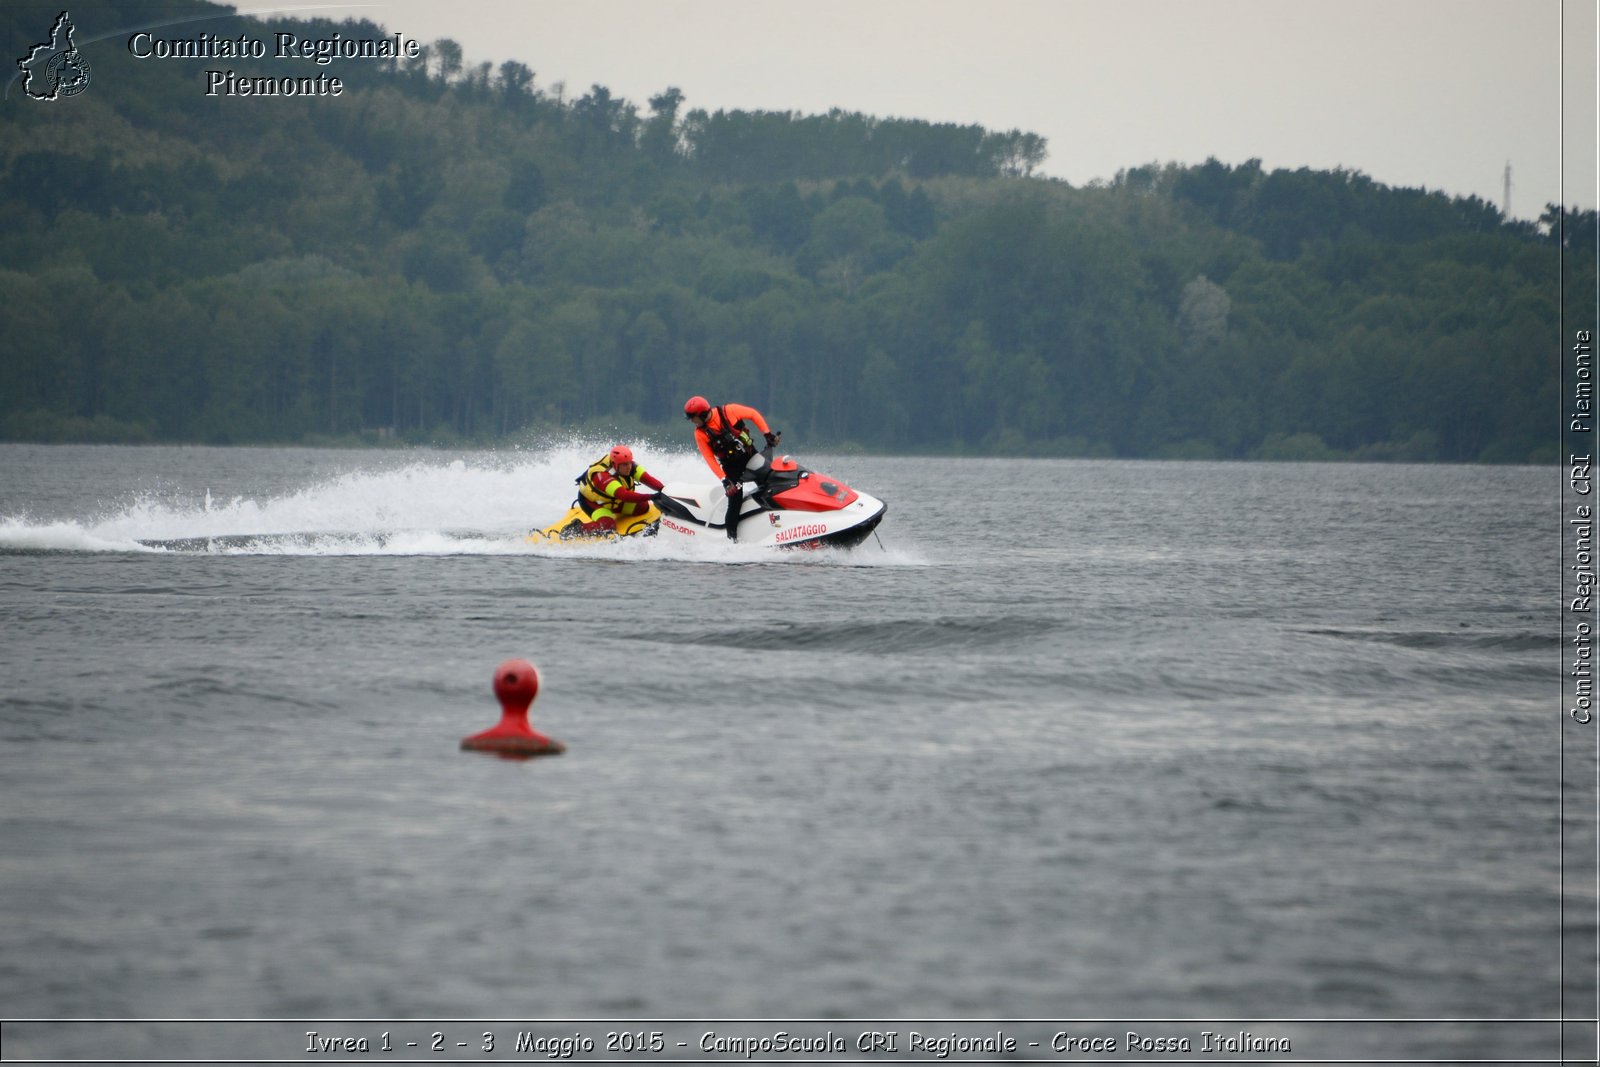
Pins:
<point x="787" y="507"/>
<point x="568" y="528"/>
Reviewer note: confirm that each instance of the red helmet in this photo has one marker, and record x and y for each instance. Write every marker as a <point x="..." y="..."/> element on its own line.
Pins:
<point x="696" y="405"/>
<point x="621" y="454"/>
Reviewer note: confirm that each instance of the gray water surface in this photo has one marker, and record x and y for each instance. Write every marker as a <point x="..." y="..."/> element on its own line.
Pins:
<point x="1071" y="740"/>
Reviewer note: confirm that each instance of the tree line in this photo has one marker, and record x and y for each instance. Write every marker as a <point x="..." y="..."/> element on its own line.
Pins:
<point x="451" y="253"/>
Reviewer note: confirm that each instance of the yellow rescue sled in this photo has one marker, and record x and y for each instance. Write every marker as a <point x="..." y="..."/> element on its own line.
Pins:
<point x="568" y="528"/>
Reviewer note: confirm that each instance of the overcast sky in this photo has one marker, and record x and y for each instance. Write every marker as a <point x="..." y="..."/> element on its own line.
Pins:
<point x="1440" y="94"/>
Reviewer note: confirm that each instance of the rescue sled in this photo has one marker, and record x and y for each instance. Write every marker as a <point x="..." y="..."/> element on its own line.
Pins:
<point x="563" y="529"/>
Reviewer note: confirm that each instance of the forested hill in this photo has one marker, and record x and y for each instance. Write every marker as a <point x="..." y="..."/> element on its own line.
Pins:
<point x="447" y="252"/>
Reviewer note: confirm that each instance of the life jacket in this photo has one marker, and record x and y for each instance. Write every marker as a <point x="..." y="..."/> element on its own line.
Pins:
<point x="731" y="442"/>
<point x="602" y="466"/>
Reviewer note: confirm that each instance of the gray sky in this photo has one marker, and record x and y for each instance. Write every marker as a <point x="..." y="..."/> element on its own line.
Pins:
<point x="1440" y="94"/>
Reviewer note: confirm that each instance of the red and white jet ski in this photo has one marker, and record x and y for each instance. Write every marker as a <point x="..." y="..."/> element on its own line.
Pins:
<point x="791" y="508"/>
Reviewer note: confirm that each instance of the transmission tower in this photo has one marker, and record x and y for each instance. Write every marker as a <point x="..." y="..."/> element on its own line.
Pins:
<point x="1505" y="201"/>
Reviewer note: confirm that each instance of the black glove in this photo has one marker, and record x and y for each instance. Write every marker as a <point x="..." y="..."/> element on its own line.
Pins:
<point x="772" y="438"/>
<point x="730" y="486"/>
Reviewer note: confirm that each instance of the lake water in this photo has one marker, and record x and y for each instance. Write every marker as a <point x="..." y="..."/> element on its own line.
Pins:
<point x="1070" y="747"/>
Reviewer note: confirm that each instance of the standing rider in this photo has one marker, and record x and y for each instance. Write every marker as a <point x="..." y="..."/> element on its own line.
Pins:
<point x="606" y="492"/>
<point x="729" y="449"/>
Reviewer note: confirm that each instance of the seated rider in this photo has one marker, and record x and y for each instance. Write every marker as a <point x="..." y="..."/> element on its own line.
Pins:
<point x="606" y="492"/>
<point x="729" y="450"/>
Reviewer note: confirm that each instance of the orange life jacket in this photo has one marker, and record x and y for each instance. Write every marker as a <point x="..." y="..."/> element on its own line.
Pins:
<point x="729" y="441"/>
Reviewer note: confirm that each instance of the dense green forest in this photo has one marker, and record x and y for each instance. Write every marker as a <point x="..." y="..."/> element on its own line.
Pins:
<point x="450" y="253"/>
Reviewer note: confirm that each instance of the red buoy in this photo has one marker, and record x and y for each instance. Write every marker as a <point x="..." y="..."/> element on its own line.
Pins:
<point x="516" y="683"/>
